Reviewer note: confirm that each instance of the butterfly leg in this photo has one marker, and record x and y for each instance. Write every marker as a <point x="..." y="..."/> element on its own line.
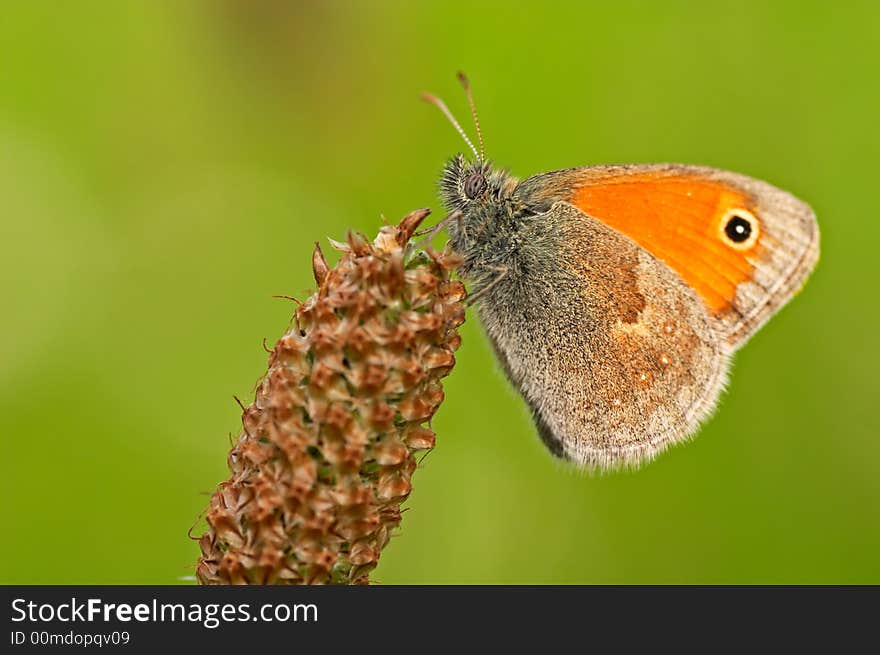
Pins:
<point x="502" y="272"/>
<point x="434" y="230"/>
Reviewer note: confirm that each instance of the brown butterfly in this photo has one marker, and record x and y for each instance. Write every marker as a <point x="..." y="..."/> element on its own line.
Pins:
<point x="614" y="296"/>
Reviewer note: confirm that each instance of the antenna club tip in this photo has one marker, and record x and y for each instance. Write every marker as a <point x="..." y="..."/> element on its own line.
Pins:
<point x="463" y="79"/>
<point x="443" y="108"/>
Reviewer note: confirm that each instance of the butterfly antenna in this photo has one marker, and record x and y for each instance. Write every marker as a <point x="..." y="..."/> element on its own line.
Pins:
<point x="437" y="102"/>
<point x="470" y="96"/>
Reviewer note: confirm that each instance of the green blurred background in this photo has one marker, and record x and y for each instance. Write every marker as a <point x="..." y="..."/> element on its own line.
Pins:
<point x="166" y="167"/>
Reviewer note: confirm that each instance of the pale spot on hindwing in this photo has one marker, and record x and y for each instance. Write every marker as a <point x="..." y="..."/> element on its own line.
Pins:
<point x="630" y="302"/>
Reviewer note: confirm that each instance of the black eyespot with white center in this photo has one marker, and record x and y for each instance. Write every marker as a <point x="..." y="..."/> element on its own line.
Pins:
<point x="738" y="229"/>
<point x="474" y="185"/>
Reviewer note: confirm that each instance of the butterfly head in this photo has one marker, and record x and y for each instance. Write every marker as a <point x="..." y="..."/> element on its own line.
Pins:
<point x="473" y="190"/>
<point x="468" y="186"/>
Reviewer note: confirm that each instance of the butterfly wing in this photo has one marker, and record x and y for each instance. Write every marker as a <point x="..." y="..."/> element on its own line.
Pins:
<point x="616" y="356"/>
<point x="692" y="219"/>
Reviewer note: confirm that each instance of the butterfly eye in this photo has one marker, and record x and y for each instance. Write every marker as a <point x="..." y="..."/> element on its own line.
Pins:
<point x="740" y="228"/>
<point x="474" y="185"/>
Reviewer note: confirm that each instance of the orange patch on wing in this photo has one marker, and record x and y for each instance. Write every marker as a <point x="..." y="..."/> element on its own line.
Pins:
<point x="675" y="218"/>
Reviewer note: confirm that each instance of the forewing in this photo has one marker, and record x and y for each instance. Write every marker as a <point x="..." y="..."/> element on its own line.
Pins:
<point x="678" y="214"/>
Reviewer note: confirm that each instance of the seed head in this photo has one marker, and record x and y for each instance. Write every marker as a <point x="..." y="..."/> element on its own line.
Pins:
<point x="328" y="446"/>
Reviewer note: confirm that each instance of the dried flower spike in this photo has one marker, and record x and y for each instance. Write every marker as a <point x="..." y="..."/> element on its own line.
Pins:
<point x="329" y="445"/>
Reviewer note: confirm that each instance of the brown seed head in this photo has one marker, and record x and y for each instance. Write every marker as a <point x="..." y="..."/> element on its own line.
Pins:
<point x="329" y="445"/>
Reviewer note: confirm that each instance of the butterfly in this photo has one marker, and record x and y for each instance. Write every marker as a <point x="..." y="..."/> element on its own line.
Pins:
<point x="615" y="296"/>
